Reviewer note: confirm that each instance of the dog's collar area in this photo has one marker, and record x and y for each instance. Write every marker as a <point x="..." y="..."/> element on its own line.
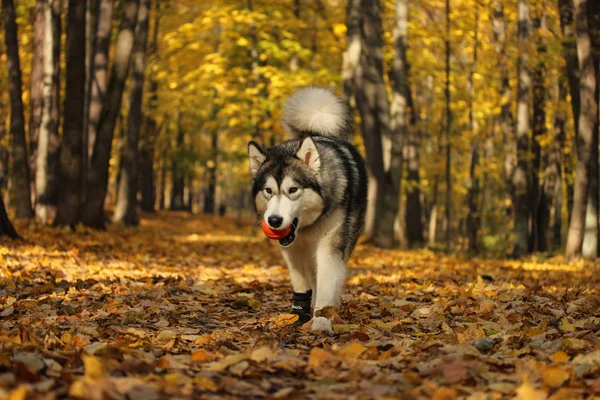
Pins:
<point x="286" y="241"/>
<point x="301" y="306"/>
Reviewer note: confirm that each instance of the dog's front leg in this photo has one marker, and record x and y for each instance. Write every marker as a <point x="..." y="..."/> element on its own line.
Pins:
<point x="331" y="275"/>
<point x="302" y="276"/>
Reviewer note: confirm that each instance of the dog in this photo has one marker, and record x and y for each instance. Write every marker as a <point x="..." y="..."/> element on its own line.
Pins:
<point x="316" y="184"/>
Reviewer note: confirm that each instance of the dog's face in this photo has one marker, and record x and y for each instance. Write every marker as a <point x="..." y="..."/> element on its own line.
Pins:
<point x="285" y="183"/>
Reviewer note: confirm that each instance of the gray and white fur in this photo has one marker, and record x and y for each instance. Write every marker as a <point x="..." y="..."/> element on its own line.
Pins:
<point x="316" y="182"/>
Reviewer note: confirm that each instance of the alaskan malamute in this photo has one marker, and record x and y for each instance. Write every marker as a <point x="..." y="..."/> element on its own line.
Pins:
<point x="313" y="186"/>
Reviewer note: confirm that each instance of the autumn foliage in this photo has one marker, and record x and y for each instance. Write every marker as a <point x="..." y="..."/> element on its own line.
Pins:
<point x="197" y="307"/>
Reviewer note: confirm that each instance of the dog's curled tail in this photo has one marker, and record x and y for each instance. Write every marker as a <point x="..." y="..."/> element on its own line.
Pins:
<point x="317" y="111"/>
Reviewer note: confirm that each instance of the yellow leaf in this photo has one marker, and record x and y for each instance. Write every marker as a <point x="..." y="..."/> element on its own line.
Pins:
<point x="78" y="389"/>
<point x="285" y="319"/>
<point x="566" y="326"/>
<point x="559" y="357"/>
<point x="554" y="377"/>
<point x="339" y="29"/>
<point x="201" y="356"/>
<point x="19" y="393"/>
<point x="202" y="383"/>
<point x="319" y="358"/>
<point x="352" y="351"/>
<point x="92" y="366"/>
<point x="242" y="42"/>
<point x="527" y="392"/>
<point x="166" y="335"/>
<point x="262" y="354"/>
<point x="227" y="362"/>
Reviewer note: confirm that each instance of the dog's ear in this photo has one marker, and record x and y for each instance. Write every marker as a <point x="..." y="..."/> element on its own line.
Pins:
<point x="308" y="154"/>
<point x="257" y="157"/>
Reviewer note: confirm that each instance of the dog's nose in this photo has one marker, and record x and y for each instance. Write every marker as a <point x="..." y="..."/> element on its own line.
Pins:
<point x="275" y="221"/>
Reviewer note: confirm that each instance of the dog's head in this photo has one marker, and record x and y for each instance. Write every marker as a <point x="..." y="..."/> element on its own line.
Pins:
<point x="285" y="183"/>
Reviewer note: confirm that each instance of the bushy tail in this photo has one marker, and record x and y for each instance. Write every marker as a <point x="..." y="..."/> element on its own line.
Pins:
<point x="317" y="111"/>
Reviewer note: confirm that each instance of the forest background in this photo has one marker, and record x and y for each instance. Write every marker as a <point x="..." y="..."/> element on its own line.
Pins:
<point x="478" y="118"/>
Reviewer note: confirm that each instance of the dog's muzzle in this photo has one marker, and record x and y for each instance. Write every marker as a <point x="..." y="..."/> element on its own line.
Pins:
<point x="286" y="241"/>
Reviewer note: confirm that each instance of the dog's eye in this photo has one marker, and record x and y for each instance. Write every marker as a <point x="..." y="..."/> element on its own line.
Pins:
<point x="293" y="190"/>
<point x="268" y="190"/>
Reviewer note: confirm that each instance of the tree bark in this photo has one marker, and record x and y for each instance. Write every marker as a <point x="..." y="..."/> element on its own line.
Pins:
<point x="20" y="160"/>
<point x="147" y="146"/>
<point x="473" y="216"/>
<point x="99" y="71"/>
<point x="373" y="106"/>
<point x="569" y="48"/>
<point x="6" y="227"/>
<point x="93" y="210"/>
<point x="36" y="82"/>
<point x="520" y="176"/>
<point x="589" y="248"/>
<point x="211" y="191"/>
<point x="71" y="177"/>
<point x="177" y="173"/>
<point x="448" y="132"/>
<point x="126" y="208"/>
<point x="162" y="184"/>
<point x="399" y="127"/>
<point x="538" y="200"/>
<point x="47" y="151"/>
<point x="505" y="118"/>
<point x="588" y="120"/>
<point x="351" y="57"/>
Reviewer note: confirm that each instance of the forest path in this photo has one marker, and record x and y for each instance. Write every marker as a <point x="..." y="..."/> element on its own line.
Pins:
<point x="195" y="307"/>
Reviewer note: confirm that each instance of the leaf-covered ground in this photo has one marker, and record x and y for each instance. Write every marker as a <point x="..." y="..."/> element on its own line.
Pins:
<point x="194" y="307"/>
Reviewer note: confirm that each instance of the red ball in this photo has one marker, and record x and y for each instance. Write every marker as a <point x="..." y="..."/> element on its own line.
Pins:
<point x="275" y="233"/>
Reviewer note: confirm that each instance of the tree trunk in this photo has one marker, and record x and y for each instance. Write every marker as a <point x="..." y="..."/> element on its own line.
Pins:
<point x="147" y="175"/>
<point x="566" y="13"/>
<point x="36" y="81"/>
<point x="372" y="103"/>
<point x="6" y="227"/>
<point x="589" y="248"/>
<point x="520" y="175"/>
<point x="413" y="211"/>
<point x="147" y="186"/>
<point x="399" y="126"/>
<point x="91" y="18"/>
<point x="448" y="132"/>
<point x="211" y="191"/>
<point x="351" y="57"/>
<point x="126" y="208"/>
<point x="93" y="210"/>
<point x="177" y="175"/>
<point x="587" y="137"/>
<point x="551" y="196"/>
<point x="473" y="217"/>
<point x="17" y="120"/>
<point x="162" y="185"/>
<point x="45" y="171"/>
<point x="505" y="118"/>
<point x="99" y="71"/>
<point x="71" y="178"/>
<point x="539" y="203"/>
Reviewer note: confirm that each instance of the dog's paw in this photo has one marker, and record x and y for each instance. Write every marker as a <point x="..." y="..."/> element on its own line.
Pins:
<point x="321" y="324"/>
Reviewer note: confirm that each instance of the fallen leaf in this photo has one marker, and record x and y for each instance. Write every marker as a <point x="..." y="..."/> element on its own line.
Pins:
<point x="319" y="358"/>
<point x="352" y="351"/>
<point x="201" y="356"/>
<point x="166" y="335"/>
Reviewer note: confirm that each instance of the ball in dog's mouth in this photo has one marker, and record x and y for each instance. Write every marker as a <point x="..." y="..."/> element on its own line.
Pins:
<point x="285" y="236"/>
<point x="290" y="237"/>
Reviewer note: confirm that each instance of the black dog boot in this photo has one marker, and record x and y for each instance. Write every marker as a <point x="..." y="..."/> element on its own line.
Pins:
<point x="301" y="307"/>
